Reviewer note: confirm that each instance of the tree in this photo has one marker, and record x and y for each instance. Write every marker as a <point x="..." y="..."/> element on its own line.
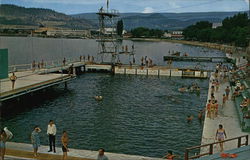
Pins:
<point x="119" y="27"/>
<point x="234" y="30"/>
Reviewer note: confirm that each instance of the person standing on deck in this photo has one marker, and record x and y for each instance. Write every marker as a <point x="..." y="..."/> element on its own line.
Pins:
<point x="216" y="108"/>
<point x="13" y="79"/>
<point x="33" y="66"/>
<point x="3" y="139"/>
<point x="227" y="90"/>
<point x="42" y="64"/>
<point x="101" y="155"/>
<point x="35" y="139"/>
<point x="51" y="132"/>
<point x="217" y="85"/>
<point x="224" y="99"/>
<point x="64" y="61"/>
<point x="142" y="59"/>
<point x="65" y="141"/>
<point x="220" y="136"/>
<point x="133" y="60"/>
<point x="209" y="109"/>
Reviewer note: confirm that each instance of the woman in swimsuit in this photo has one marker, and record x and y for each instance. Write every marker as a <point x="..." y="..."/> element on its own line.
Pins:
<point x="209" y="109"/>
<point x="220" y="136"/>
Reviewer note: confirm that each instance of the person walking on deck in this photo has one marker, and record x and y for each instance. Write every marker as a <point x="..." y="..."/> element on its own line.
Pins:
<point x="13" y="78"/>
<point x="220" y="136"/>
<point x="101" y="155"/>
<point x="65" y="141"/>
<point x="51" y="132"/>
<point x="35" y="139"/>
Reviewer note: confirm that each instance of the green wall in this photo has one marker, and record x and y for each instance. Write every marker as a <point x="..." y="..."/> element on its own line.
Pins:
<point x="3" y="63"/>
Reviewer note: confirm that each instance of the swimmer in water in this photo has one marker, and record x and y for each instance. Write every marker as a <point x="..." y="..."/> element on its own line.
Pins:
<point x="189" y="118"/>
<point x="200" y="115"/>
<point x="98" y="98"/>
<point x="182" y="89"/>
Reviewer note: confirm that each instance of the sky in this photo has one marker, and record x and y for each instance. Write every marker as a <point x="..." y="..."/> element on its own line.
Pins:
<point x="142" y="6"/>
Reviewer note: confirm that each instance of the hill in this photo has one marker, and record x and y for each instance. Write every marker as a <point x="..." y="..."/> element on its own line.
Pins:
<point x="164" y="21"/>
<point x="33" y="17"/>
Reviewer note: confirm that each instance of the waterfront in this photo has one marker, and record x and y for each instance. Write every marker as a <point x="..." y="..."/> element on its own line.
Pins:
<point x="139" y="115"/>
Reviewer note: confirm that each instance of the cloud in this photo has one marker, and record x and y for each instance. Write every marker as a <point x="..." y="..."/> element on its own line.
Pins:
<point x="148" y="10"/>
<point x="173" y="4"/>
<point x="247" y="2"/>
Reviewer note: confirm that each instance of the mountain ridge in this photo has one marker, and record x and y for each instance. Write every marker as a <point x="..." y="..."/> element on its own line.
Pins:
<point x="164" y="21"/>
<point x="35" y="17"/>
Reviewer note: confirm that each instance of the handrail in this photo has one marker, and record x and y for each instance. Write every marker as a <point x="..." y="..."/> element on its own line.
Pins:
<point x="47" y="64"/>
<point x="211" y="147"/>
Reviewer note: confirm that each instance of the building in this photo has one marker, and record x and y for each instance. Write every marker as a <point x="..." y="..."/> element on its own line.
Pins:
<point x="177" y="35"/>
<point x="167" y="35"/>
<point x="68" y="33"/>
<point x="215" y="25"/>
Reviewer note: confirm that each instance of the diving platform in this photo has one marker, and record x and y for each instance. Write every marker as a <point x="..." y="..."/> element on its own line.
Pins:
<point x="197" y="59"/>
<point x="160" y="71"/>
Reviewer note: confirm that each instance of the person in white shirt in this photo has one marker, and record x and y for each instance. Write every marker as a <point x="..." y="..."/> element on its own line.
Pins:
<point x="51" y="131"/>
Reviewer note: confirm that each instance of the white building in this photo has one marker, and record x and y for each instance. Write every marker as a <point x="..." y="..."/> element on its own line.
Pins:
<point x="215" y="25"/>
<point x="167" y="35"/>
<point x="73" y="33"/>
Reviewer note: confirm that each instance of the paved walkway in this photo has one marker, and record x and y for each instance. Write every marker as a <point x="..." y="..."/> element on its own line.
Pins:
<point x="227" y="116"/>
<point x="78" y="154"/>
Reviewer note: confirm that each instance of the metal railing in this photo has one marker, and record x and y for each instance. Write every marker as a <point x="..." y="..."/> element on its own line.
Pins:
<point x="211" y="146"/>
<point x="47" y="65"/>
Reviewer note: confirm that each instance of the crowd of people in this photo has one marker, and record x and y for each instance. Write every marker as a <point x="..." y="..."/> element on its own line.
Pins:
<point x="147" y="62"/>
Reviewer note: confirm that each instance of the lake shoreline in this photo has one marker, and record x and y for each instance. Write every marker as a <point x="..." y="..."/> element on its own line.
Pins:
<point x="222" y="47"/>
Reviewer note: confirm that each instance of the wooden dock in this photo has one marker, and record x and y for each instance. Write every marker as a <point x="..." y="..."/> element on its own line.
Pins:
<point x="197" y="59"/>
<point x="28" y="82"/>
<point x="160" y="71"/>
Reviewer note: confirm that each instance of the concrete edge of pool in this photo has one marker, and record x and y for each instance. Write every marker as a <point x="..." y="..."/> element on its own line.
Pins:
<point x="77" y="153"/>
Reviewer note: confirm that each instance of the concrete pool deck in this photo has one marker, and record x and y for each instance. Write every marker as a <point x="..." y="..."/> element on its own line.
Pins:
<point x="25" y="150"/>
<point x="227" y="116"/>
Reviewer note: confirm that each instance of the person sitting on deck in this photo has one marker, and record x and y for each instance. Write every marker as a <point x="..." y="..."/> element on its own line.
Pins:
<point x="242" y="87"/>
<point x="244" y="104"/>
<point x="235" y="94"/>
